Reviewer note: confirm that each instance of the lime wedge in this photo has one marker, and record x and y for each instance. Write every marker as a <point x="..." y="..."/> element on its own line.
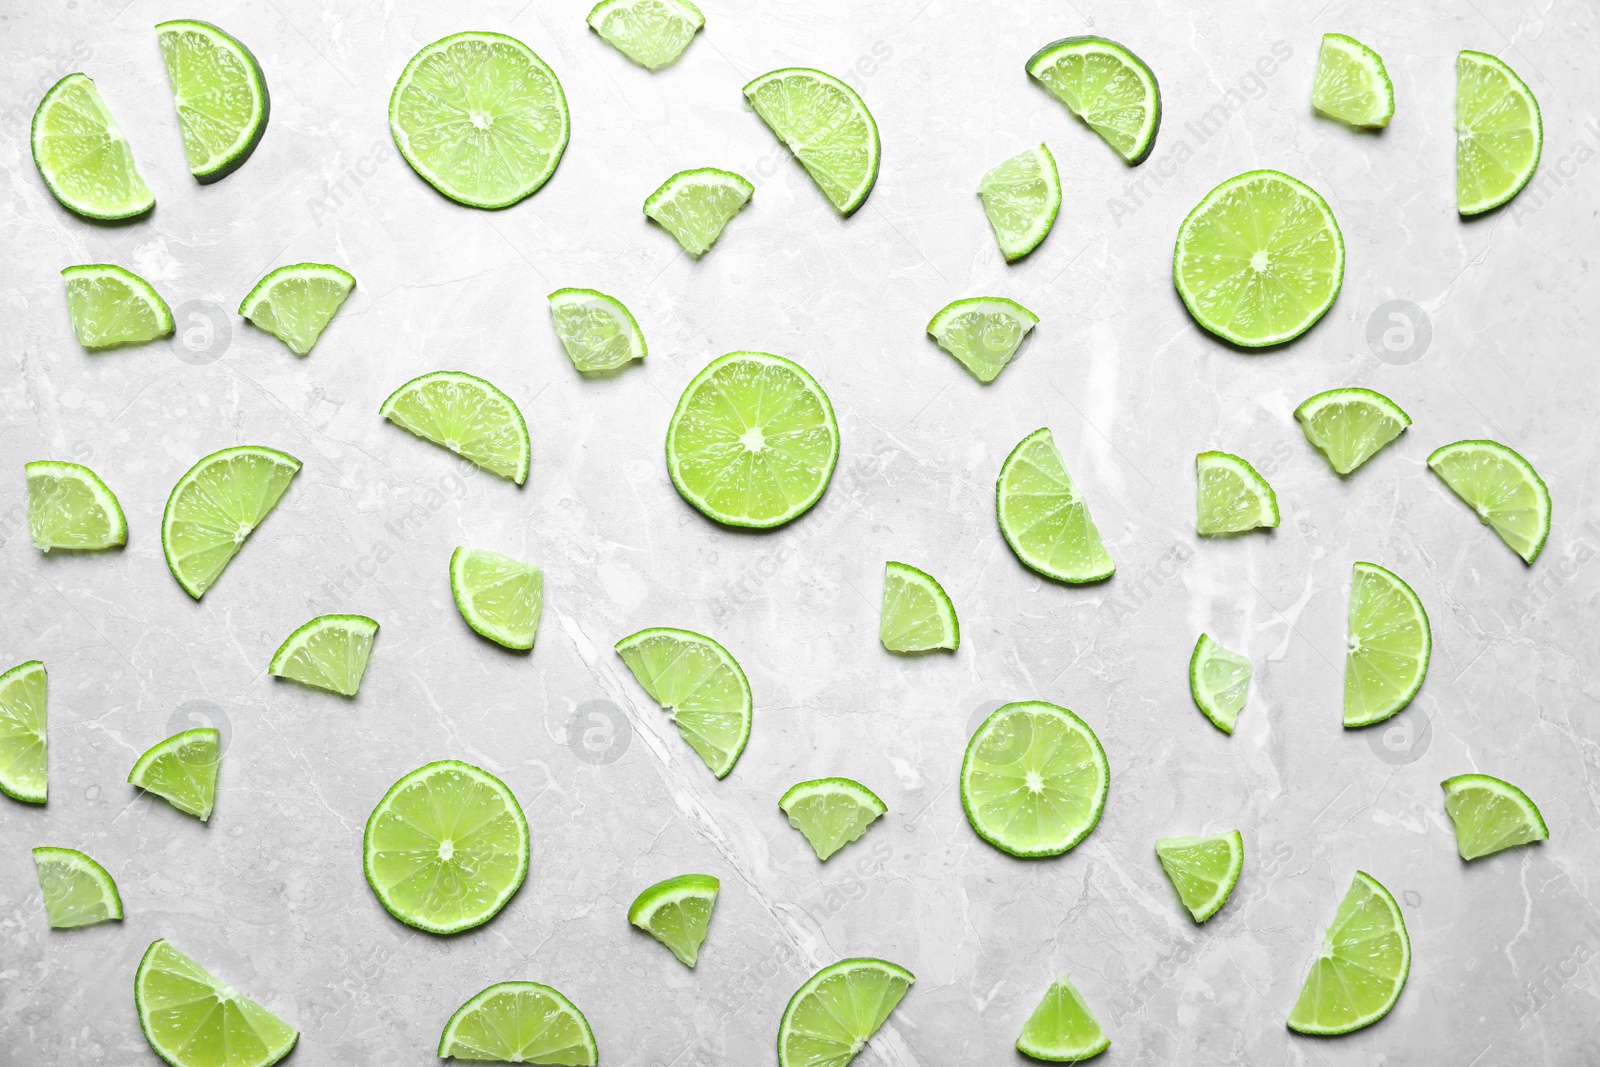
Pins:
<point x="468" y="416"/>
<point x="1105" y="85"/>
<point x="831" y="812"/>
<point x="753" y="441"/>
<point x="193" y="1020"/>
<point x="329" y="652"/>
<point x="1219" y="681"/>
<point x="446" y="847"/>
<point x="677" y="913"/>
<point x="83" y="156"/>
<point x="519" y="1022"/>
<point x="109" y="306"/>
<point x="824" y="123"/>
<point x="1034" y="780"/>
<point x="296" y="303"/>
<point x="652" y="33"/>
<point x="832" y="1017"/>
<point x="1352" y="84"/>
<point x="695" y="205"/>
<point x="598" y="333"/>
<point x="216" y="506"/>
<point x="499" y="597"/>
<point x="1502" y="488"/>
<point x="916" y="616"/>
<point x="1389" y="645"/>
<point x="1044" y="518"/>
<point x="1351" y="425"/>
<point x="1499" y="133"/>
<point x="77" y="890"/>
<point x="1232" y="496"/>
<point x="1203" y="870"/>
<point x="481" y="118"/>
<point x="1021" y="196"/>
<point x="1260" y="259"/>
<point x="220" y="93"/>
<point x="1490" y="814"/>
<point x="23" y="696"/>
<point x="699" y="685"/>
<point x="70" y="507"/>
<point x="183" y="770"/>
<point x="1062" y="1029"/>
<point x="983" y="332"/>
<point x="1358" y="975"/>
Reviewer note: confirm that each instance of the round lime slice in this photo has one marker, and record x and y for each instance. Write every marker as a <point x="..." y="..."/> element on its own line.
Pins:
<point x="1350" y="426"/>
<point x="982" y="332"/>
<point x="1352" y="84"/>
<point x="216" y="506"/>
<point x="77" y="890"/>
<point x="1362" y="966"/>
<point x="1034" y="780"/>
<point x="1499" y="133"/>
<point x="296" y="303"/>
<point x="700" y="685"/>
<point x="82" y="155"/>
<point x="109" y="306"/>
<point x="1021" y="197"/>
<point x="220" y="93"/>
<point x="1490" y="814"/>
<point x="468" y="416"/>
<point x="1502" y="488"/>
<point x="24" y="695"/>
<point x="824" y="123"/>
<point x="1389" y="645"/>
<point x="597" y="331"/>
<point x="652" y="33"/>
<point x="1219" y="681"/>
<point x="677" y="913"/>
<point x="1105" y="85"/>
<point x="182" y="770"/>
<point x="499" y="597"/>
<point x="329" y="652"/>
<point x="916" y="615"/>
<point x="1062" y="1029"/>
<point x="835" y="1013"/>
<point x="193" y="1020"/>
<point x="1044" y="518"/>
<point x="831" y="812"/>
<point x="520" y="1022"/>
<point x="1232" y="496"/>
<point x="1203" y="870"/>
<point x="70" y="507"/>
<point x="695" y="205"/>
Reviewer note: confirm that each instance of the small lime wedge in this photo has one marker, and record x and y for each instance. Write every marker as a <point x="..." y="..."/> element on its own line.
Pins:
<point x="77" y="890"/>
<point x="468" y="416"/>
<point x="597" y="331"/>
<point x="1044" y="518"/>
<point x="652" y="33"/>
<point x="677" y="913"/>
<point x="82" y="155"/>
<point x="183" y="770"/>
<point x="70" y="507"/>
<point x="296" y="303"/>
<point x="832" y="1016"/>
<point x="499" y="597"/>
<point x="1021" y="197"/>
<point x="1362" y="966"/>
<point x="695" y="205"/>
<point x="1389" y="644"/>
<point x="1350" y="426"/>
<point x="1219" y="681"/>
<point x="916" y="615"/>
<point x="24" y="694"/>
<point x="329" y="652"/>
<point x="1232" y="496"/>
<point x="982" y="332"/>
<point x="520" y="1022"/>
<point x="216" y="506"/>
<point x="220" y="93"/>
<point x="700" y="685"/>
<point x="1502" y="488"/>
<point x="1105" y="85"/>
<point x="193" y="1020"/>
<point x="109" y="306"/>
<point x="1062" y="1029"/>
<point x="1034" y="780"/>
<point x="1499" y="133"/>
<point x="824" y="123"/>
<point x="1203" y="870"/>
<point x="831" y="812"/>
<point x="1490" y="814"/>
<point x="1352" y="84"/>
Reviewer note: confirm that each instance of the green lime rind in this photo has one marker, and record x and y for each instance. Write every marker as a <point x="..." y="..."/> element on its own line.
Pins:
<point x="826" y="126"/>
<point x="1021" y="197"/>
<point x="1044" y="518"/>
<point x="77" y="890"/>
<point x="1062" y="1029"/>
<point x="220" y="94"/>
<point x="1203" y="870"/>
<point x="916" y="614"/>
<point x="652" y="33"/>
<point x="831" y="812"/>
<point x="466" y="415"/>
<point x="499" y="597"/>
<point x="677" y="913"/>
<point x="1219" y="681"/>
<point x="695" y="206"/>
<point x="1499" y="133"/>
<point x="1490" y="814"/>
<point x="329" y="652"/>
<point x="1390" y="643"/>
<point x="24" y="733"/>
<point x="982" y="333"/>
<point x="833" y="1015"/>
<point x="1352" y="84"/>
<point x="597" y="331"/>
<point x="1362" y="967"/>
<point x="295" y="303"/>
<point x="84" y="159"/>
<point x="701" y="687"/>
<point x="1034" y="779"/>
<point x="216" y="506"/>
<point x="182" y="770"/>
<point x="1110" y="89"/>
<point x="70" y="508"/>
<point x="110" y="307"/>
<point x="1350" y="426"/>
<point x="193" y="1020"/>
<point x="1232" y="497"/>
<point x="520" y="1022"/>
<point x="1501" y="488"/>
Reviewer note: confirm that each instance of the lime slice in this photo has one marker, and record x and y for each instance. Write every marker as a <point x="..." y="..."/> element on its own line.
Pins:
<point x="499" y="597"/>
<point x="1021" y="197"/>
<point x="916" y="616"/>
<point x="699" y="685"/>
<point x="983" y="332"/>
<point x="652" y="33"/>
<point x="677" y="913"/>
<point x="1389" y="645"/>
<point x="1062" y="1029"/>
<point x="1232" y="496"/>
<point x="446" y="847"/>
<point x="329" y="652"/>
<point x="1034" y="780"/>
<point x="70" y="507"/>
<point x="1352" y="84"/>
<point x="468" y="416"/>
<point x="109" y="306"/>
<point x="83" y="156"/>
<point x="216" y="506"/>
<point x="1219" y="681"/>
<point x="220" y="93"/>
<point x="23" y="696"/>
<point x="481" y="118"/>
<point x="1105" y="85"/>
<point x="77" y="890"/>
<point x="753" y="441"/>
<point x="1260" y="259"/>
<point x="1499" y="133"/>
<point x="296" y="303"/>
<point x="1351" y="425"/>
<point x="832" y="1017"/>
<point x="598" y="333"/>
<point x="831" y="812"/>
<point x="1044" y="519"/>
<point x="183" y="770"/>
<point x="1502" y="487"/>
<point x="1490" y="814"/>
<point x="695" y="205"/>
<point x="1362" y="967"/>
<point x="519" y="1022"/>
<point x="193" y="1020"/>
<point x="824" y="123"/>
<point x="1203" y="870"/>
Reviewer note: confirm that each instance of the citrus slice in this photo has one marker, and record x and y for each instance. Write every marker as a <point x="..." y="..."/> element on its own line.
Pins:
<point x="216" y="506"/>
<point x="1021" y="197"/>
<point x="1350" y="426"/>
<point x="329" y="652"/>
<point x="677" y="913"/>
<point x="695" y="205"/>
<point x="82" y="155"/>
<point x="983" y="332"/>
<point x="835" y="1013"/>
<point x="1062" y="1029"/>
<point x="109" y="306"/>
<point x="24" y="694"/>
<point x="1260" y="259"/>
<point x="598" y="333"/>
<point x="182" y="770"/>
<point x="220" y="93"/>
<point x="1233" y="497"/>
<point x="193" y="1020"/>
<point x="1362" y="966"/>
<point x="519" y="1022"/>
<point x="1352" y="84"/>
<point x="753" y="441"/>
<point x="1219" y="681"/>
<point x="481" y="118"/>
<point x="1389" y="645"/>
<point x="1499" y="133"/>
<point x="1105" y="85"/>
<point x="499" y="597"/>
<point x="652" y="33"/>
<point x="77" y="890"/>
<point x="468" y="416"/>
<point x="70" y="507"/>
<point x="831" y="812"/>
<point x="446" y="847"/>
<point x="823" y="122"/>
<point x="1490" y="814"/>
<point x="699" y="685"/>
<point x="1502" y="488"/>
<point x="916" y="615"/>
<point x="296" y="303"/>
<point x="1044" y="518"/>
<point x="1203" y="870"/>
<point x="1034" y="780"/>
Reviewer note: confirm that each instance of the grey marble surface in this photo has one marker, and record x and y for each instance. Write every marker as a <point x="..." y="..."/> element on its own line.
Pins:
<point x="270" y="894"/>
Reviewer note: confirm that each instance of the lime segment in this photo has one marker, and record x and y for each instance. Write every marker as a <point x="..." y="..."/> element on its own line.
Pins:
<point x="1044" y="518"/>
<point x="499" y="597"/>
<point x="1350" y="426"/>
<point x="1219" y="681"/>
<point x="70" y="507"/>
<point x="1062" y="1029"/>
<point x="220" y="93"/>
<point x="468" y="416"/>
<point x="699" y="685"/>
<point x="1034" y="780"/>
<point x="1105" y="85"/>
<point x="109" y="306"/>
<point x="824" y="123"/>
<point x="835" y="1013"/>
<point x="1352" y="84"/>
<point x="652" y="33"/>
<point x="24" y="693"/>
<point x="1021" y="197"/>
<point x="1389" y="645"/>
<point x="1232" y="497"/>
<point x="1502" y="488"/>
<point x="983" y="333"/>
<point x="296" y="303"/>
<point x="77" y="890"/>
<point x="183" y="770"/>
<point x="83" y="156"/>
<point x="916" y="615"/>
<point x="520" y="1022"/>
<point x="329" y="652"/>
<point x="831" y="812"/>
<point x="1499" y="133"/>
<point x="597" y="331"/>
<point x="677" y="913"/>
<point x="1203" y="870"/>
<point x="1362" y="966"/>
<point x="216" y="506"/>
<point x="695" y="205"/>
<point x="193" y="1020"/>
<point x="1490" y="814"/>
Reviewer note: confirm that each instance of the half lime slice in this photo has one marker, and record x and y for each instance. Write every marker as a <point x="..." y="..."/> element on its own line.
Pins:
<point x="1352" y="84"/>
<point x="70" y="507"/>
<point x="220" y="93"/>
<point x="1219" y="681"/>
<point x="916" y="615"/>
<point x="499" y="597"/>
<point x="1203" y="870"/>
<point x="699" y="685"/>
<point x="1062" y="1029"/>
<point x="1021" y="197"/>
<point x="82" y="155"/>
<point x="1499" y="133"/>
<point x="24" y="694"/>
<point x="296" y="303"/>
<point x="520" y="1022"/>
<point x="597" y="331"/>
<point x="824" y="123"/>
<point x="982" y="332"/>
<point x="835" y="1013"/>
<point x="652" y="33"/>
<point x="1389" y="644"/>
<point x="677" y="913"/>
<point x="1362" y="966"/>
<point x="109" y="306"/>
<point x="77" y="890"/>
<point x="1502" y="488"/>
<point x="1105" y="85"/>
<point x="1034" y="780"/>
<point x="1350" y="426"/>
<point x="831" y="812"/>
<point x="1232" y="496"/>
<point x="329" y="652"/>
<point x="1044" y="518"/>
<point x="193" y="1020"/>
<point x="1490" y="814"/>
<point x="468" y="416"/>
<point x="216" y="506"/>
<point x="695" y="205"/>
<point x="182" y="770"/>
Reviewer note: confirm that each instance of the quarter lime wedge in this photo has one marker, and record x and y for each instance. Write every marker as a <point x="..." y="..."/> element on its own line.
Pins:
<point x="216" y="506"/>
<point x="499" y="597"/>
<point x="597" y="331"/>
<point x="296" y="303"/>
<point x="1062" y="1029"/>
<point x="1203" y="870"/>
<point x="1233" y="497"/>
<point x="70" y="507"/>
<point x="824" y="123"/>
<point x="193" y="1020"/>
<point x="699" y="685"/>
<point x="1044" y="518"/>
<point x="677" y="913"/>
<point x="1502" y="488"/>
<point x="77" y="890"/>
<point x="983" y="333"/>
<point x="1105" y="85"/>
<point x="1350" y="426"/>
<point x="1034" y="780"/>
<point x="183" y="770"/>
<point x="329" y="652"/>
<point x="695" y="205"/>
<point x="468" y="416"/>
<point x="1499" y="133"/>
<point x="520" y="1022"/>
<point x="1362" y="966"/>
<point x="24" y="694"/>
<point x="1219" y="681"/>
<point x="1389" y="645"/>
<point x="916" y="615"/>
<point x="832" y="1016"/>
<point x="1490" y="814"/>
<point x="1021" y="197"/>
<point x="220" y="93"/>
<point x="652" y="33"/>
<point x="831" y="812"/>
<point x="109" y="306"/>
<point x="1352" y="84"/>
<point x="82" y="155"/>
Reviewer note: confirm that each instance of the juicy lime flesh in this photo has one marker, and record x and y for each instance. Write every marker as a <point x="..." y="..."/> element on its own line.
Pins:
<point x="1389" y="646"/>
<point x="652" y="33"/>
<point x="1021" y="197"/>
<point x="77" y="890"/>
<point x="1062" y="1028"/>
<point x="216" y="506"/>
<point x="1501" y="489"/>
<point x="183" y="771"/>
<point x="700" y="685"/>
<point x="296" y="304"/>
<point x="677" y="913"/>
<point x="108" y="306"/>
<point x="1352" y="85"/>
<point x="221" y="105"/>
<point x="329" y="653"/>
<point x="1362" y="967"/>
<point x="1350" y="426"/>
<point x="695" y="206"/>
<point x="833" y="1015"/>
<point x="1232" y="497"/>
<point x="1220" y="681"/>
<point x="467" y="416"/>
<point x="1104" y="87"/>
<point x="827" y="127"/>
<point x="519" y="1022"/>
<point x="1490" y="815"/>
<point x="1034" y="780"/>
<point x="1044" y="517"/>
<point x="193" y="1020"/>
<point x="500" y="597"/>
<point x="68" y="507"/>
<point x="1499" y="133"/>
<point x="983" y="335"/>
<point x="23" y="693"/>
<point x="916" y="615"/>
<point x="596" y="331"/>
<point x="1203" y="870"/>
<point x="831" y="814"/>
<point x="83" y="155"/>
